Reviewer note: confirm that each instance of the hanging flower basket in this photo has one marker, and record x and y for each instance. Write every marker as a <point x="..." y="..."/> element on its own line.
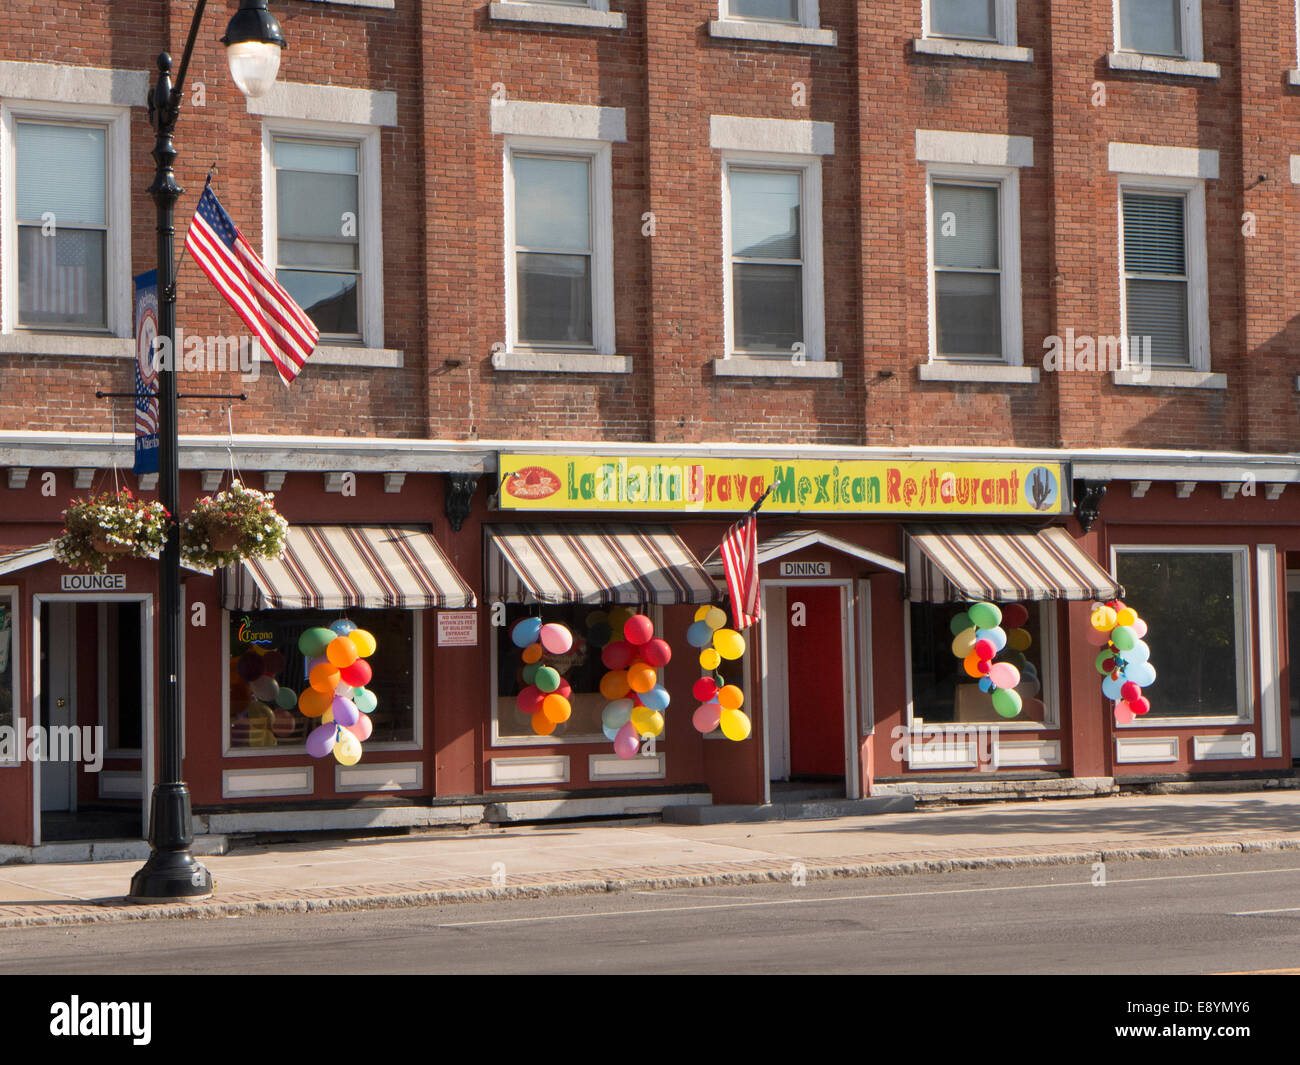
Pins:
<point x="233" y="525"/>
<point x="109" y="526"/>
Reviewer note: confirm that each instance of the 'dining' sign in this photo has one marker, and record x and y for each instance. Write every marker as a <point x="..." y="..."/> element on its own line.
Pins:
<point x="592" y="482"/>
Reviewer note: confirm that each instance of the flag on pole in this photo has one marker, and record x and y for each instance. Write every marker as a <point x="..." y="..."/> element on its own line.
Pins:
<point x="288" y="336"/>
<point x="740" y="560"/>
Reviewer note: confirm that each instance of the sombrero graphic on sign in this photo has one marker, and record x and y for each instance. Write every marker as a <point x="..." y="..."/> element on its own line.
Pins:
<point x="531" y="482"/>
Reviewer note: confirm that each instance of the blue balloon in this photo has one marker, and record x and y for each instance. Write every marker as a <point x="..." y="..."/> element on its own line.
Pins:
<point x="611" y="734"/>
<point x="656" y="698"/>
<point x="616" y="715"/>
<point x="995" y="636"/>
<point x="342" y="627"/>
<point x="699" y="634"/>
<point x="986" y="685"/>
<point x="526" y="632"/>
<point x="1139" y="652"/>
<point x="1110" y="687"/>
<point x="1143" y="674"/>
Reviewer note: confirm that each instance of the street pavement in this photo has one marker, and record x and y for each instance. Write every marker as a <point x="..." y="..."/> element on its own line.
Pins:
<point x="570" y="859"/>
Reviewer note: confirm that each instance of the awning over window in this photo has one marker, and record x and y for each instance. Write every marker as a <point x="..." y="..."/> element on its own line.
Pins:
<point x="330" y="567"/>
<point x="1002" y="564"/>
<point x="22" y="558"/>
<point x="593" y="564"/>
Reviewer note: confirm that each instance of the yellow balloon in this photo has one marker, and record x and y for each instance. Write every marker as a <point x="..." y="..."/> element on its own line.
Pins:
<point x="1103" y="619"/>
<point x="730" y="697"/>
<point x="715" y="618"/>
<point x="735" y="725"/>
<point x="1125" y="616"/>
<point x="964" y="642"/>
<point x="700" y="614"/>
<point x="347" y="748"/>
<point x="729" y="643"/>
<point x="1019" y="640"/>
<point x="710" y="659"/>
<point x="645" y="720"/>
<point x="327" y="718"/>
<point x="363" y="642"/>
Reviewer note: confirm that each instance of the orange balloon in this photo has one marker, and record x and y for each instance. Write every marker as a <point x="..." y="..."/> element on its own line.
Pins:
<point x="313" y="703"/>
<point x="730" y="697"/>
<point x="532" y="653"/>
<point x="542" y="724"/>
<point x="324" y="677"/>
<point x="641" y="678"/>
<point x="971" y="665"/>
<point x="613" y="685"/>
<point x="556" y="708"/>
<point x="341" y="652"/>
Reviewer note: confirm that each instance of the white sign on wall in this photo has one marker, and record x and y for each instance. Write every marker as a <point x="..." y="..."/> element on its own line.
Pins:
<point x="92" y="582"/>
<point x="805" y="569"/>
<point x="457" y="628"/>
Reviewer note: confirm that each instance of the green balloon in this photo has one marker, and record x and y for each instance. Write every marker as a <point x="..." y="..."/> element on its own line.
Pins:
<point x="960" y="623"/>
<point x="1103" y="658"/>
<point x="313" y="642"/>
<point x="530" y="672"/>
<point x="286" y="699"/>
<point x="546" y="679"/>
<point x="1007" y="702"/>
<point x="985" y="616"/>
<point x="365" y="700"/>
<point x="1123" y="637"/>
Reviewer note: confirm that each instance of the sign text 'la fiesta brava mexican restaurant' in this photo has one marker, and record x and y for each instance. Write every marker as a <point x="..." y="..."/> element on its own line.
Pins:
<point x="869" y="486"/>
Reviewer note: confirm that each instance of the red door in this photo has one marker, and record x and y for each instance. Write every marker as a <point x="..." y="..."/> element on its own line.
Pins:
<point x="816" y="678"/>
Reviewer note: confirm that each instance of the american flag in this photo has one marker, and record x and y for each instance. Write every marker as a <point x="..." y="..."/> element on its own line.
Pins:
<point x="58" y="288"/>
<point x="740" y="560"/>
<point x="288" y="336"/>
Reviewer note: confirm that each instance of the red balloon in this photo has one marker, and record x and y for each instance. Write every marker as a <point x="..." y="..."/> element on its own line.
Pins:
<point x="1140" y="705"/>
<point x="983" y="665"/>
<point x="984" y="650"/>
<point x="617" y="654"/>
<point x="1014" y="616"/>
<point x="705" y="689"/>
<point x="564" y="689"/>
<point x="638" y="630"/>
<point x="530" y="700"/>
<point x="1129" y="691"/>
<point x="1108" y="664"/>
<point x="356" y="675"/>
<point x="656" y="653"/>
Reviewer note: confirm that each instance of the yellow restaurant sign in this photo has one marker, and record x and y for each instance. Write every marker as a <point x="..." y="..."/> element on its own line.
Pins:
<point x="684" y="485"/>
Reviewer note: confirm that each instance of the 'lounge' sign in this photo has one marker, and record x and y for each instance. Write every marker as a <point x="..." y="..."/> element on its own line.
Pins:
<point x="93" y="582"/>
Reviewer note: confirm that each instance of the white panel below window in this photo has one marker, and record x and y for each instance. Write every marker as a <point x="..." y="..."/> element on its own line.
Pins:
<point x="1138" y="749"/>
<point x="386" y="776"/>
<point x="612" y="767"/>
<point x="541" y="770"/>
<point x="115" y="784"/>
<point x="241" y="783"/>
<point x="1028" y="752"/>
<point x="1210" y="747"/>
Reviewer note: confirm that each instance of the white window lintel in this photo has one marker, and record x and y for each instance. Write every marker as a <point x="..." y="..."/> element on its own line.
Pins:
<point x="781" y="135"/>
<point x="974" y="149"/>
<point x="570" y="121"/>
<point x="1157" y="160"/>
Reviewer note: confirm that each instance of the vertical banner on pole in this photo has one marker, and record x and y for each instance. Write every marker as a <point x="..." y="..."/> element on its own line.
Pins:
<point x="146" y="373"/>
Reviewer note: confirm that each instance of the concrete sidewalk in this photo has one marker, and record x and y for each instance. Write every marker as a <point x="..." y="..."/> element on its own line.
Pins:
<point x="572" y="859"/>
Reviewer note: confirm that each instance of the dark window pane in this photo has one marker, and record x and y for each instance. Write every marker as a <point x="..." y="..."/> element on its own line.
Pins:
<point x="776" y="10"/>
<point x="1157" y="315"/>
<point x="968" y="19"/>
<point x="1153" y="27"/>
<point x="768" y="307"/>
<point x="1188" y="601"/>
<point x="1154" y="234"/>
<point x="330" y="300"/>
<point x="61" y="278"/>
<point x="554" y="299"/>
<point x="969" y="314"/>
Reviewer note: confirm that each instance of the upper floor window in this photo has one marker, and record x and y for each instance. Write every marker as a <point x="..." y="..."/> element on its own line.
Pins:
<point x="969" y="20"/>
<point x="789" y="12"/>
<point x="1169" y="28"/>
<point x="322" y="230"/>
<point x="61" y="216"/>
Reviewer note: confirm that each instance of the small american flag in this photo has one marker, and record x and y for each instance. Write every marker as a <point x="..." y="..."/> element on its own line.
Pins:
<point x="57" y="286"/>
<point x="288" y="336"/>
<point x="740" y="560"/>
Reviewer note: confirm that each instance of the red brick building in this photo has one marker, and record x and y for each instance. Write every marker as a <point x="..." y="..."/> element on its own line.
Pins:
<point x="747" y="237"/>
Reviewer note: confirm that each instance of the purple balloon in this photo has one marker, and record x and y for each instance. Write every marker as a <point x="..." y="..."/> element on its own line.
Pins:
<point x="627" y="742"/>
<point x="321" y="740"/>
<point x="345" y="711"/>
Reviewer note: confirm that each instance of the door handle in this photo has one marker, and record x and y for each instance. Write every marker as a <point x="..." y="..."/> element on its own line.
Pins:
<point x="60" y="702"/>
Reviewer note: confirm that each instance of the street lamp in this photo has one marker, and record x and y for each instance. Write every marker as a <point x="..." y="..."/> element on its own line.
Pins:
<point x="253" y="42"/>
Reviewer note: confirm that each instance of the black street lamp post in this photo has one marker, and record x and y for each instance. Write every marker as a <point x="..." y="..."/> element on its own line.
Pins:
<point x="253" y="42"/>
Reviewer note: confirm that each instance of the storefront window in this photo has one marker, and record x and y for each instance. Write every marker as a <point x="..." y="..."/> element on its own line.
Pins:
<point x="581" y="668"/>
<point x="1195" y="608"/>
<point x="7" y="672"/>
<point x="944" y="693"/>
<point x="264" y="711"/>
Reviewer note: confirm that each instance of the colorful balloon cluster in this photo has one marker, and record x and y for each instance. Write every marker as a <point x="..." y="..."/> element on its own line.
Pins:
<point x="546" y="697"/>
<point x="978" y="638"/>
<point x="336" y="692"/>
<point x="264" y="719"/>
<point x="720" y="702"/>
<point x="636" y="699"/>
<point x="1124" y="661"/>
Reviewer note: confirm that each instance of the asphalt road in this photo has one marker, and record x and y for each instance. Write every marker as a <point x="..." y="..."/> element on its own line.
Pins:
<point x="1211" y="915"/>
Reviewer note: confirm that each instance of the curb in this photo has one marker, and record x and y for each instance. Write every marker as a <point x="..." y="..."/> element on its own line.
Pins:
<point x="758" y="872"/>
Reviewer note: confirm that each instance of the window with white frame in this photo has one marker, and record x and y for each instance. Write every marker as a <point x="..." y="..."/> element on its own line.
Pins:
<point x="993" y="21"/>
<point x="1166" y="317"/>
<point x="1192" y="597"/>
<point x="322" y="232"/>
<point x="559" y="269"/>
<point x="772" y="242"/>
<point x="975" y="265"/>
<point x="1170" y="28"/>
<point x="66" y="219"/>
<point x="790" y="12"/>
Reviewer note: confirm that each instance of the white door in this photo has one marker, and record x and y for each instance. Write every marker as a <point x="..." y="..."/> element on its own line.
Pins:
<point x="58" y="700"/>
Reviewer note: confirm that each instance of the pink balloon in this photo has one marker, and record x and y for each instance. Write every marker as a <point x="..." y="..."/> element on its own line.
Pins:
<point x="706" y="717"/>
<point x="362" y="729"/>
<point x="1097" y="639"/>
<point x="556" y="639"/>
<point x="627" y="742"/>
<point x="1004" y="675"/>
<point x="1123" y="715"/>
<point x="1140" y="628"/>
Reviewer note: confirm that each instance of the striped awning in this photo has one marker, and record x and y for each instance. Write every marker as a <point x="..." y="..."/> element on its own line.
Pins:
<point x="593" y="564"/>
<point x="331" y="567"/>
<point x="1002" y="564"/>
